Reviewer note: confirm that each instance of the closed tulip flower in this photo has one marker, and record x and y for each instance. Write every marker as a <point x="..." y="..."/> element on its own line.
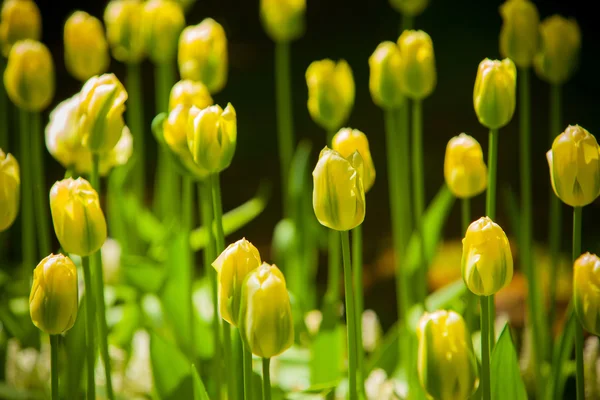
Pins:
<point x="385" y="79"/>
<point x="29" y="75"/>
<point x="123" y="20"/>
<point x="574" y="166"/>
<point x="464" y="169"/>
<point x="283" y="20"/>
<point x="162" y="23"/>
<point x="346" y="142"/>
<point x="203" y="54"/>
<point x="189" y="93"/>
<point x="19" y="20"/>
<point x="494" y="95"/>
<point x="53" y="300"/>
<point x="410" y="7"/>
<point x="447" y="364"/>
<point x="78" y="219"/>
<point x="330" y="93"/>
<point x="559" y="51"/>
<point x="86" y="49"/>
<point x="417" y="64"/>
<point x="586" y="291"/>
<point x="487" y="264"/>
<point x="265" y="319"/>
<point x="519" y="36"/>
<point x="10" y="185"/>
<point x="234" y="263"/>
<point x="338" y="192"/>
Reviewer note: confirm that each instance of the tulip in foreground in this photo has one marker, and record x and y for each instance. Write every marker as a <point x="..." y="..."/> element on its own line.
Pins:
<point x="86" y="48"/>
<point x="586" y="291"/>
<point x="283" y="20"/>
<point x="464" y="169"/>
<point x="123" y="20"/>
<point x="417" y="64"/>
<point x="494" y="95"/>
<point x="559" y="51"/>
<point x="346" y="142"/>
<point x="385" y="79"/>
<point x="19" y="20"/>
<point x="10" y="185"/>
<point x="162" y="22"/>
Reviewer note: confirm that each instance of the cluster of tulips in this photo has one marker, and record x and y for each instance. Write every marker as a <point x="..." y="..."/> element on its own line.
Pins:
<point x="100" y="129"/>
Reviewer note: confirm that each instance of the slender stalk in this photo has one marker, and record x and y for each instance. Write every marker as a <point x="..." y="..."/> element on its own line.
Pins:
<point x="357" y="269"/>
<point x="471" y="299"/>
<point x="284" y="114"/>
<point x="350" y="314"/>
<point x="332" y="294"/>
<point x="187" y="221"/>
<point x="247" y="373"/>
<point x="266" y="378"/>
<point x="490" y="210"/>
<point x="406" y="22"/>
<point x="578" y="327"/>
<point x="40" y="194"/>
<point x="90" y="331"/>
<point x="54" y="365"/>
<point x="3" y="109"/>
<point x="135" y="122"/>
<point x="27" y="213"/>
<point x="419" y="191"/>
<point x="486" y="388"/>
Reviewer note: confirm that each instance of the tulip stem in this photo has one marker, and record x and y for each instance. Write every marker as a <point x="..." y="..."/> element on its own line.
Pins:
<point x="578" y="328"/>
<point x="247" y="372"/>
<point x="54" y="365"/>
<point x="266" y="368"/>
<point x="333" y="268"/>
<point x="419" y="192"/>
<point x="357" y="269"/>
<point x="285" y="128"/>
<point x="187" y="221"/>
<point x="135" y="122"/>
<point x="490" y="210"/>
<point x="471" y="299"/>
<point x="486" y="389"/>
<point x="40" y="191"/>
<point x="90" y="331"/>
<point x="3" y="109"/>
<point x="350" y="314"/>
<point x="27" y="213"/>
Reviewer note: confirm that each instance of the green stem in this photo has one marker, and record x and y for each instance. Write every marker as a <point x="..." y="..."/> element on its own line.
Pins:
<point x="247" y="373"/>
<point x="357" y="269"/>
<point x="578" y="327"/>
<point x="266" y="378"/>
<point x="471" y="299"/>
<point x="490" y="210"/>
<point x="187" y="222"/>
<point x="406" y="22"/>
<point x="350" y="314"/>
<point x="90" y="331"/>
<point x="3" y="109"/>
<point x="54" y="365"/>
<point x="419" y="191"/>
<point x="230" y="365"/>
<point x="485" y="348"/>
<point x="135" y="122"/>
<point x="284" y="114"/>
<point x="40" y="195"/>
<point x="333" y="269"/>
<point x="27" y="213"/>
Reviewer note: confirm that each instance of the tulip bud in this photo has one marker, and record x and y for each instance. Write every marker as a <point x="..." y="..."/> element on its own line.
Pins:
<point x="29" y="75"/>
<point x="101" y="107"/>
<point x="346" y="142"/>
<point x="189" y="93"/>
<point x="54" y="300"/>
<point x="162" y="23"/>
<point x="411" y="8"/>
<point x="487" y="264"/>
<point x="338" y="192"/>
<point x="86" y="49"/>
<point x="385" y="80"/>
<point x="283" y="20"/>
<point x="203" y="54"/>
<point x="560" y="47"/>
<point x="19" y="20"/>
<point x="574" y="166"/>
<point x="10" y="184"/>
<point x="494" y="93"/>
<point x="265" y="319"/>
<point x="586" y="291"/>
<point x="330" y="92"/>
<point x="78" y="219"/>
<point x="464" y="169"/>
<point x="211" y="137"/>
<point x="234" y="263"/>
<point x="417" y="64"/>
<point x="519" y="36"/>
<point x="447" y="364"/>
<point x="123" y="20"/>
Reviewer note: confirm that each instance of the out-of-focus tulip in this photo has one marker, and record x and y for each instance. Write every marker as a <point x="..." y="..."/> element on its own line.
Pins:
<point x="417" y="64"/>
<point x="575" y="166"/>
<point x="162" y="23"/>
<point x="234" y="263"/>
<point x="464" y="169"/>
<point x="385" y="79"/>
<point x="123" y="20"/>
<point x="586" y="291"/>
<point x="29" y="75"/>
<point x="203" y="54"/>
<point x="101" y="107"/>
<point x="19" y="20"/>
<point x="212" y="136"/>
<point x="494" y="95"/>
<point x="447" y="364"/>
<point x="346" y="142"/>
<point x="338" y="192"/>
<point x="265" y="319"/>
<point x="86" y="49"/>
<point x="519" y="36"/>
<point x="10" y="184"/>
<point x="189" y="93"/>
<point x="283" y="20"/>
<point x="487" y="264"/>
<point x="330" y="92"/>
<point x="410" y="7"/>
<point x="559" y="50"/>
<point x="78" y="219"/>
<point x="53" y="299"/>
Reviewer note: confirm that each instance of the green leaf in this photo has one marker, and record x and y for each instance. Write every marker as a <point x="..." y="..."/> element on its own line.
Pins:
<point x="446" y="297"/>
<point x="142" y="273"/>
<point x="507" y="382"/>
<point x="171" y="370"/>
<point x="386" y="354"/>
<point x="12" y="393"/>
<point x="127" y="319"/>
<point x="199" y="389"/>
<point x="327" y="356"/>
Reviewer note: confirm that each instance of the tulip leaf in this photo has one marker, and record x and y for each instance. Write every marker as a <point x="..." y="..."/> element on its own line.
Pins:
<point x="142" y="273"/>
<point x="446" y="297"/>
<point x="199" y="389"/>
<point x="385" y="355"/>
<point x="327" y="356"/>
<point x="10" y="392"/>
<point x="171" y="370"/>
<point x="507" y="382"/>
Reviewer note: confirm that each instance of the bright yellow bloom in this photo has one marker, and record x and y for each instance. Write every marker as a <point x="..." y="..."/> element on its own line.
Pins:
<point x="162" y="23"/>
<point x="346" y="142"/>
<point x="78" y="219"/>
<point x="86" y="49"/>
<point x="586" y="291"/>
<point x="10" y="185"/>
<point x="203" y="54"/>
<point x="19" y="20"/>
<point x="519" y="36"/>
<point x="234" y="263"/>
<point x="330" y="93"/>
<point x="575" y="166"/>
<point x="338" y="192"/>
<point x="265" y="319"/>
<point x="123" y="20"/>
<point x="487" y="264"/>
<point x="559" y="53"/>
<point x="283" y="20"/>
<point x="447" y="364"/>
<point x="53" y="299"/>
<point x="385" y="79"/>
<point x="464" y="169"/>
<point x="417" y="64"/>
<point x="410" y="7"/>
<point x="29" y="75"/>
<point x="494" y="95"/>
<point x="189" y="93"/>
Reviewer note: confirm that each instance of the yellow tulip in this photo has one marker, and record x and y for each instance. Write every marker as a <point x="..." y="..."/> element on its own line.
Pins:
<point x="519" y="36"/>
<point x="346" y="142"/>
<point x="410" y="7"/>
<point x="385" y="80"/>
<point x="586" y="291"/>
<point x="464" y="169"/>
<point x="19" y="20"/>
<point x="86" y="49"/>
<point x="123" y="20"/>
<point x="189" y="93"/>
<point x="283" y="20"/>
<point x="10" y="185"/>
<point x="162" y="23"/>
<point x="417" y="64"/>
<point x="494" y="95"/>
<point x="559" y="53"/>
